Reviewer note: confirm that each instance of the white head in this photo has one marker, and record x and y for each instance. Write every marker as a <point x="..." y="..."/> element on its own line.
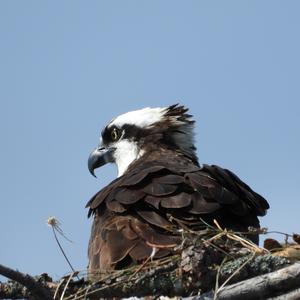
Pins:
<point x="127" y="137"/>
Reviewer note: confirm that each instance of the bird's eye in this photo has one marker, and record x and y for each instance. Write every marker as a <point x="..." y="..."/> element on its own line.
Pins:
<point x="115" y="134"/>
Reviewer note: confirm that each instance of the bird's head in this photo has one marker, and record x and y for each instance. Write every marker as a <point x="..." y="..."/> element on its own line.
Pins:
<point x="131" y="135"/>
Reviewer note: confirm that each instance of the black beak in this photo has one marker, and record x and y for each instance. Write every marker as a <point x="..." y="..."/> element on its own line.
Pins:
<point x="100" y="157"/>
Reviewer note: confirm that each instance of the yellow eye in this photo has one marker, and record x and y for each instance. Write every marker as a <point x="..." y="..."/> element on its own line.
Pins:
<point x="115" y="134"/>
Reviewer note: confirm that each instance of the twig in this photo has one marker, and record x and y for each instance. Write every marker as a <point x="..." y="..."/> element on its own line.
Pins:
<point x="209" y="243"/>
<point x="62" y="251"/>
<point x="54" y="223"/>
<point x="217" y="278"/>
<point x="58" y="287"/>
<point x="35" y="288"/>
<point x="66" y="286"/>
<point x="236" y="271"/>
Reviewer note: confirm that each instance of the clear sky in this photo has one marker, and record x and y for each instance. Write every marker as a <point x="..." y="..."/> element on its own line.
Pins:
<point x="68" y="67"/>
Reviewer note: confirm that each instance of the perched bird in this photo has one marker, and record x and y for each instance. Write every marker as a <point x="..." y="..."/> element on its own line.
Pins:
<point x="161" y="189"/>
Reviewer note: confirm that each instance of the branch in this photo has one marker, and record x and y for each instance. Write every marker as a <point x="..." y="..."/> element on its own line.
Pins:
<point x="201" y="265"/>
<point x="282" y="282"/>
<point x="35" y="288"/>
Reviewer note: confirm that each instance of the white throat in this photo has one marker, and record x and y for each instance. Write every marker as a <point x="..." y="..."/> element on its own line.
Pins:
<point x="126" y="152"/>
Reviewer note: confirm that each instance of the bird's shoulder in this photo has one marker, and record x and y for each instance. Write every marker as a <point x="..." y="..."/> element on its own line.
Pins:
<point x="171" y="184"/>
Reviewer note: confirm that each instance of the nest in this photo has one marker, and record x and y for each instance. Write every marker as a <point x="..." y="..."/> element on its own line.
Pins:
<point x="213" y="263"/>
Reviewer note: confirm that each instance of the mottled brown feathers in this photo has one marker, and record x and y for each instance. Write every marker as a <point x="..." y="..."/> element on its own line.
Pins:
<point x="140" y="213"/>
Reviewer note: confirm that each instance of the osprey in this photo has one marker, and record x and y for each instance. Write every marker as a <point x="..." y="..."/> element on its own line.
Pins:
<point x="161" y="188"/>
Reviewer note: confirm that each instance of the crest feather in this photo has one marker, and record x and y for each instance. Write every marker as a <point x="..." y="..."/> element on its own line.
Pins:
<point x="178" y="125"/>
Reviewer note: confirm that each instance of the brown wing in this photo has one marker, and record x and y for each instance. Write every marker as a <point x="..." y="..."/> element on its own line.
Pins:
<point x="139" y="214"/>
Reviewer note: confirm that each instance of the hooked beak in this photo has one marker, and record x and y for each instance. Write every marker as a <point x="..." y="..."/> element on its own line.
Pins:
<point x="99" y="157"/>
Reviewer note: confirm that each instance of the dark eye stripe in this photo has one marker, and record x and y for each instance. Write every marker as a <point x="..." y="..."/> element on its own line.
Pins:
<point x="128" y="131"/>
<point x="132" y="131"/>
<point x="107" y="134"/>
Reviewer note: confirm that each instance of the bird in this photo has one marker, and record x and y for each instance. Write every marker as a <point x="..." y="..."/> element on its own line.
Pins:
<point x="161" y="190"/>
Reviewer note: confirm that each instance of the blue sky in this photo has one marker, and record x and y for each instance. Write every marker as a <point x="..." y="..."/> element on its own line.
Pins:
<point x="68" y="67"/>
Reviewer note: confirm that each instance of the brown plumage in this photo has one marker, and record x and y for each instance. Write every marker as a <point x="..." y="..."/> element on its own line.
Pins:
<point x="140" y="213"/>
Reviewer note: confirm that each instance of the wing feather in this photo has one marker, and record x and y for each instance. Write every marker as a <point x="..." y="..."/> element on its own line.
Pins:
<point x="179" y="200"/>
<point x="201" y="206"/>
<point x="145" y="205"/>
<point x="154" y="218"/>
<point x="137" y="177"/>
<point x="129" y="196"/>
<point x="157" y="189"/>
<point x="115" y="206"/>
<point x="169" y="179"/>
<point x="153" y="201"/>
